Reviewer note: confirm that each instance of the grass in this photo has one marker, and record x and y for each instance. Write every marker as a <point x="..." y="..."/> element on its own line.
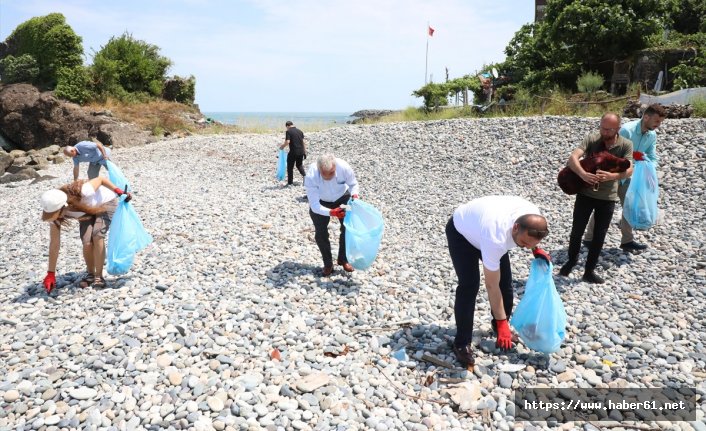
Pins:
<point x="699" y="105"/>
<point x="158" y="116"/>
<point x="558" y="103"/>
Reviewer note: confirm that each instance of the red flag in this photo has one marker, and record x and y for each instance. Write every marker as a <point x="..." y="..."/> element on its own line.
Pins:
<point x="431" y="31"/>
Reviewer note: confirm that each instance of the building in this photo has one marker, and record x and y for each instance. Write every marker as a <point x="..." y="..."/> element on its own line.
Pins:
<point x="539" y="6"/>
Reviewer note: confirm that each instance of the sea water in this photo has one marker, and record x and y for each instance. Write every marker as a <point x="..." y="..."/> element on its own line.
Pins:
<point x="276" y="120"/>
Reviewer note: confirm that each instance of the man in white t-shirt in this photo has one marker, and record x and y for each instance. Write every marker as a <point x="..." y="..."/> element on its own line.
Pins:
<point x="330" y="183"/>
<point x="486" y="229"/>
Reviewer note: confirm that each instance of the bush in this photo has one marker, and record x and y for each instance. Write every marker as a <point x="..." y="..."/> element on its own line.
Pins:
<point x="589" y="82"/>
<point x="182" y="90"/>
<point x="73" y="84"/>
<point x="18" y="69"/>
<point x="50" y="42"/>
<point x="128" y="65"/>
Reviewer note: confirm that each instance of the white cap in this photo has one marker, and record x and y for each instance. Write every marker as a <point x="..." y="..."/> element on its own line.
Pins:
<point x="53" y="200"/>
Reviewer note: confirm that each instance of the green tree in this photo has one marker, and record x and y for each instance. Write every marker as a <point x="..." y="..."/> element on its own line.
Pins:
<point x="691" y="72"/>
<point x="127" y="65"/>
<point x="50" y="42"/>
<point x="578" y="35"/>
<point x="434" y="95"/>
<point x="182" y="90"/>
<point x="687" y="16"/>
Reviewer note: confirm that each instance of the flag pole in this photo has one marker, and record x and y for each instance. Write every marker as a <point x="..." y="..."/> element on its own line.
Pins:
<point x="426" y="58"/>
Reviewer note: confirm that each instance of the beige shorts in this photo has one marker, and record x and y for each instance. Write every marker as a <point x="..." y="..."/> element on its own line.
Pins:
<point x="97" y="226"/>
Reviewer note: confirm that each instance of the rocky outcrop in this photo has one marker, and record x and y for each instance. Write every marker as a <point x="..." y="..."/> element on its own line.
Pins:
<point x="369" y="114"/>
<point x="30" y="119"/>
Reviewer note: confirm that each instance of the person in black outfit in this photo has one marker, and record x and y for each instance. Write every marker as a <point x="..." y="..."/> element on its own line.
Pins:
<point x="599" y="198"/>
<point x="297" y="151"/>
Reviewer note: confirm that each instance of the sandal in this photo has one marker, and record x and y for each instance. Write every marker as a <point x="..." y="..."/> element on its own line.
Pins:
<point x="87" y="280"/>
<point x="99" y="283"/>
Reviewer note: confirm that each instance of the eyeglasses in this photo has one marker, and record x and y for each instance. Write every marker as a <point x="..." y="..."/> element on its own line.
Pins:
<point x="609" y="129"/>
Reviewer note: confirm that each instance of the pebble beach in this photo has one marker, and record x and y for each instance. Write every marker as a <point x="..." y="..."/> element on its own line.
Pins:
<point x="226" y="323"/>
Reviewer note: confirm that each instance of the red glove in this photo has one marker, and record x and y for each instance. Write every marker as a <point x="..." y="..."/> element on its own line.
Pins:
<point x="638" y="155"/>
<point x="49" y="281"/>
<point x="120" y="192"/>
<point x="354" y="197"/>
<point x="504" y="340"/>
<point x="338" y="212"/>
<point x="539" y="253"/>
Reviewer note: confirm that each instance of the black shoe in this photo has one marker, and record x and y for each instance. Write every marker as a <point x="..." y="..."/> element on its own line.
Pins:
<point x="633" y="246"/>
<point x="465" y="355"/>
<point x="586" y="243"/>
<point x="566" y="268"/>
<point x="591" y="277"/>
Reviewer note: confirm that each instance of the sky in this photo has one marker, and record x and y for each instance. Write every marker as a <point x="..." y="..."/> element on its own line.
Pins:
<point x="298" y="55"/>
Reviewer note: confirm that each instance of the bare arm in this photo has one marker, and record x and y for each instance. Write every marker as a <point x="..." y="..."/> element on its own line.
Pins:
<point x="54" y="243"/>
<point x="101" y="148"/>
<point x="492" y="285"/>
<point x="286" y="143"/>
<point x="75" y="172"/>
<point x="575" y="166"/>
<point x="102" y="181"/>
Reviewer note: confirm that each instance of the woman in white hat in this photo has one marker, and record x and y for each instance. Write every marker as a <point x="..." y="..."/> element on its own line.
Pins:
<point x="92" y="203"/>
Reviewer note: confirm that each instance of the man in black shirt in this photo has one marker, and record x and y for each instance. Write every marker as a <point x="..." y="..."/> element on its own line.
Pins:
<point x="297" y="151"/>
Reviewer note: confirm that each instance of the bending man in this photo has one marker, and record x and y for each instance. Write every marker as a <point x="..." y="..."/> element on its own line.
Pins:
<point x="485" y="229"/>
<point x="91" y="152"/>
<point x="330" y="183"/>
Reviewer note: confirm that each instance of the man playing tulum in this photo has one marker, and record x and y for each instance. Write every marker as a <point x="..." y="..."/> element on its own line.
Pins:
<point x="294" y="138"/>
<point x="485" y="230"/>
<point x="330" y="183"/>
<point x="599" y="198"/>
<point x="644" y="140"/>
<point x="92" y="152"/>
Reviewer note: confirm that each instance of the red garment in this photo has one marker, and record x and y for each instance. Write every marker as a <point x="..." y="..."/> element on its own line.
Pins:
<point x="571" y="183"/>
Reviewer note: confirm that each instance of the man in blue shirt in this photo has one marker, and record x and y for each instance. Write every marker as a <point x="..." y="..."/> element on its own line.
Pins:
<point x="92" y="152"/>
<point x="644" y="140"/>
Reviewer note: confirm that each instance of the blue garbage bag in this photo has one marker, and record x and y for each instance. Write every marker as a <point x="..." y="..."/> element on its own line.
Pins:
<point x="640" y="206"/>
<point x="364" y="228"/>
<point x="116" y="176"/>
<point x="540" y="318"/>
<point x="281" y="165"/>
<point x="126" y="235"/>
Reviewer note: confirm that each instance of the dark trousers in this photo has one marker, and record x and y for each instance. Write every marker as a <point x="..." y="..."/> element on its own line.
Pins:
<point x="291" y="160"/>
<point x="465" y="258"/>
<point x="583" y="207"/>
<point x="321" y="236"/>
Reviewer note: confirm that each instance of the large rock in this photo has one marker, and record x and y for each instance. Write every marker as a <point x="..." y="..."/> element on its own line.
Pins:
<point x="25" y="173"/>
<point x="5" y="161"/>
<point x="30" y="119"/>
<point x="121" y="135"/>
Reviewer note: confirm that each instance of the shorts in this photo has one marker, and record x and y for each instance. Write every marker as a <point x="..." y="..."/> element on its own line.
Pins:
<point x="97" y="226"/>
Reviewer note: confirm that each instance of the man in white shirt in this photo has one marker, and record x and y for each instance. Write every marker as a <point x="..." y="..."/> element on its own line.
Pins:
<point x="330" y="183"/>
<point x="486" y="229"/>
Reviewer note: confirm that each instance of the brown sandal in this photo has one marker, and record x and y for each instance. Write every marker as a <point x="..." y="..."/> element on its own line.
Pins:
<point x="99" y="283"/>
<point x="87" y="280"/>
